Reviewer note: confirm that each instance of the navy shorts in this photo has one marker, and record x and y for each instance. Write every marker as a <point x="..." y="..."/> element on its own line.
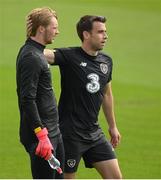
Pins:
<point x="100" y="150"/>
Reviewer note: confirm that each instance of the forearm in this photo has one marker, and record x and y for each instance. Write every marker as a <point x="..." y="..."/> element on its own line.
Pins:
<point x="108" y="106"/>
<point x="32" y="114"/>
<point x="108" y="109"/>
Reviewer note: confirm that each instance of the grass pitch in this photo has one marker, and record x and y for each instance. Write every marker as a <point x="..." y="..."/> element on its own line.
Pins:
<point x="134" y="43"/>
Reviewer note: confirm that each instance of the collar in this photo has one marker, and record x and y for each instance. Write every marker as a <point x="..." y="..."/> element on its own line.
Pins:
<point x="36" y="44"/>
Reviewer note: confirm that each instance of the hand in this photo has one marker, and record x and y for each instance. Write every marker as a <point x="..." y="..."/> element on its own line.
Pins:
<point x="44" y="147"/>
<point x="115" y="136"/>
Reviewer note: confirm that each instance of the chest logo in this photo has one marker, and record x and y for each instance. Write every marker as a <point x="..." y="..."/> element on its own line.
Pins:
<point x="104" y="68"/>
<point x="84" y="64"/>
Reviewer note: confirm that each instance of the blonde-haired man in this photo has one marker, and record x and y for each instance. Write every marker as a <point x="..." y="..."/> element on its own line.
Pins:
<point x="39" y="130"/>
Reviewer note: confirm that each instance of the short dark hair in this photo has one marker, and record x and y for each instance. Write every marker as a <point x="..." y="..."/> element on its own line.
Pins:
<point x="86" y="24"/>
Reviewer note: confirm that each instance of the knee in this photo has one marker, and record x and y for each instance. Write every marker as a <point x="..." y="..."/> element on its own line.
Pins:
<point x="118" y="175"/>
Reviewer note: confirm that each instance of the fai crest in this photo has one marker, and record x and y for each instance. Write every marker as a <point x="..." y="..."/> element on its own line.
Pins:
<point x="71" y="162"/>
<point x="104" y="68"/>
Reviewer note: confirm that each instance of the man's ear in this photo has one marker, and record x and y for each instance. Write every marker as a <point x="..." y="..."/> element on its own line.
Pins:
<point x="86" y="35"/>
<point x="41" y="29"/>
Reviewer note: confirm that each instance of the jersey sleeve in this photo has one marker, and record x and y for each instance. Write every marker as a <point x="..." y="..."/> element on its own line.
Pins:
<point x="60" y="56"/>
<point x="30" y="72"/>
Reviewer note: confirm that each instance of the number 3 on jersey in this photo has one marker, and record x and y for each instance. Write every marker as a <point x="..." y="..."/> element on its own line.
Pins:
<point x="93" y="86"/>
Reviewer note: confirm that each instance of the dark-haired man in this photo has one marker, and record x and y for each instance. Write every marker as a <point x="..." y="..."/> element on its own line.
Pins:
<point x="86" y="75"/>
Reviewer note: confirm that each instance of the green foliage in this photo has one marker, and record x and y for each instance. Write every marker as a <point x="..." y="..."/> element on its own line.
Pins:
<point x="134" y="43"/>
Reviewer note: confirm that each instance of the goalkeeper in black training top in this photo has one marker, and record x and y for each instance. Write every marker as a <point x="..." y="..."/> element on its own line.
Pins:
<point x="39" y="130"/>
<point x="86" y="75"/>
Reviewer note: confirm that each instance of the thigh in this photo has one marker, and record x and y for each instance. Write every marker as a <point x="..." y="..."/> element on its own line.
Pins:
<point x="72" y="155"/>
<point x="108" y="169"/>
<point x="98" y="152"/>
<point x="59" y="153"/>
<point x="39" y="167"/>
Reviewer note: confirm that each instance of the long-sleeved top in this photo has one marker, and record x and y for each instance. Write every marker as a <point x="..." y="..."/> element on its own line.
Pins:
<point x="36" y="99"/>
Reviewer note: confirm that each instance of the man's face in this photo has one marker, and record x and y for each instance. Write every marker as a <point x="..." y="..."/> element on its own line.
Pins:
<point x="51" y="31"/>
<point x="98" y="36"/>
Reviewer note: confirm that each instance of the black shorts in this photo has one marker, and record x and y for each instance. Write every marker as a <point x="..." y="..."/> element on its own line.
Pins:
<point x="100" y="150"/>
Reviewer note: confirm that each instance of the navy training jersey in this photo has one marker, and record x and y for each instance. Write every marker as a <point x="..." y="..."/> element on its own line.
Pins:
<point x="36" y="99"/>
<point x="83" y="81"/>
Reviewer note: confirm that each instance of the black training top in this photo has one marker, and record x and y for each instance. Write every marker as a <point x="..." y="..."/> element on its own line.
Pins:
<point x="83" y="81"/>
<point x="37" y="103"/>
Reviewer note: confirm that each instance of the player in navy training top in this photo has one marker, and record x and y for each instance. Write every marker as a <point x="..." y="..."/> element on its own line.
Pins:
<point x="83" y="81"/>
<point x="86" y="75"/>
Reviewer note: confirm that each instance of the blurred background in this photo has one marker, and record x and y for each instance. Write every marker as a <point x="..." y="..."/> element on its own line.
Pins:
<point x="134" y="30"/>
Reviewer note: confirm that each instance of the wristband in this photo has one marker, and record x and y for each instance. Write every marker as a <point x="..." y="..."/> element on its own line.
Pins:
<point x="36" y="130"/>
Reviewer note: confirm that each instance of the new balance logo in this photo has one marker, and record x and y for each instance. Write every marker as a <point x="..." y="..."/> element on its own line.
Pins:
<point x="83" y="64"/>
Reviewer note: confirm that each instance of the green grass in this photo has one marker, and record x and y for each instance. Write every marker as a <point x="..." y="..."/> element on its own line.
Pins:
<point x="134" y="28"/>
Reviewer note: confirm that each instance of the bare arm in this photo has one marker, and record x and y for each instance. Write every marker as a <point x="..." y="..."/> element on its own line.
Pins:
<point x="108" y="109"/>
<point x="49" y="54"/>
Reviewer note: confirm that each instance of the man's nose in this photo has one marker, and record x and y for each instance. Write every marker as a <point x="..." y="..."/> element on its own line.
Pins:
<point x="106" y="36"/>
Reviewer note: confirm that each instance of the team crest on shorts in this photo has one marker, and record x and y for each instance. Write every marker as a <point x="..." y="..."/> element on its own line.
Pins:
<point x="104" y="68"/>
<point x="71" y="162"/>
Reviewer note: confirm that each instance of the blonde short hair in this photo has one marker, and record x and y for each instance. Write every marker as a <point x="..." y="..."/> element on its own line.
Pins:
<point x="38" y="17"/>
